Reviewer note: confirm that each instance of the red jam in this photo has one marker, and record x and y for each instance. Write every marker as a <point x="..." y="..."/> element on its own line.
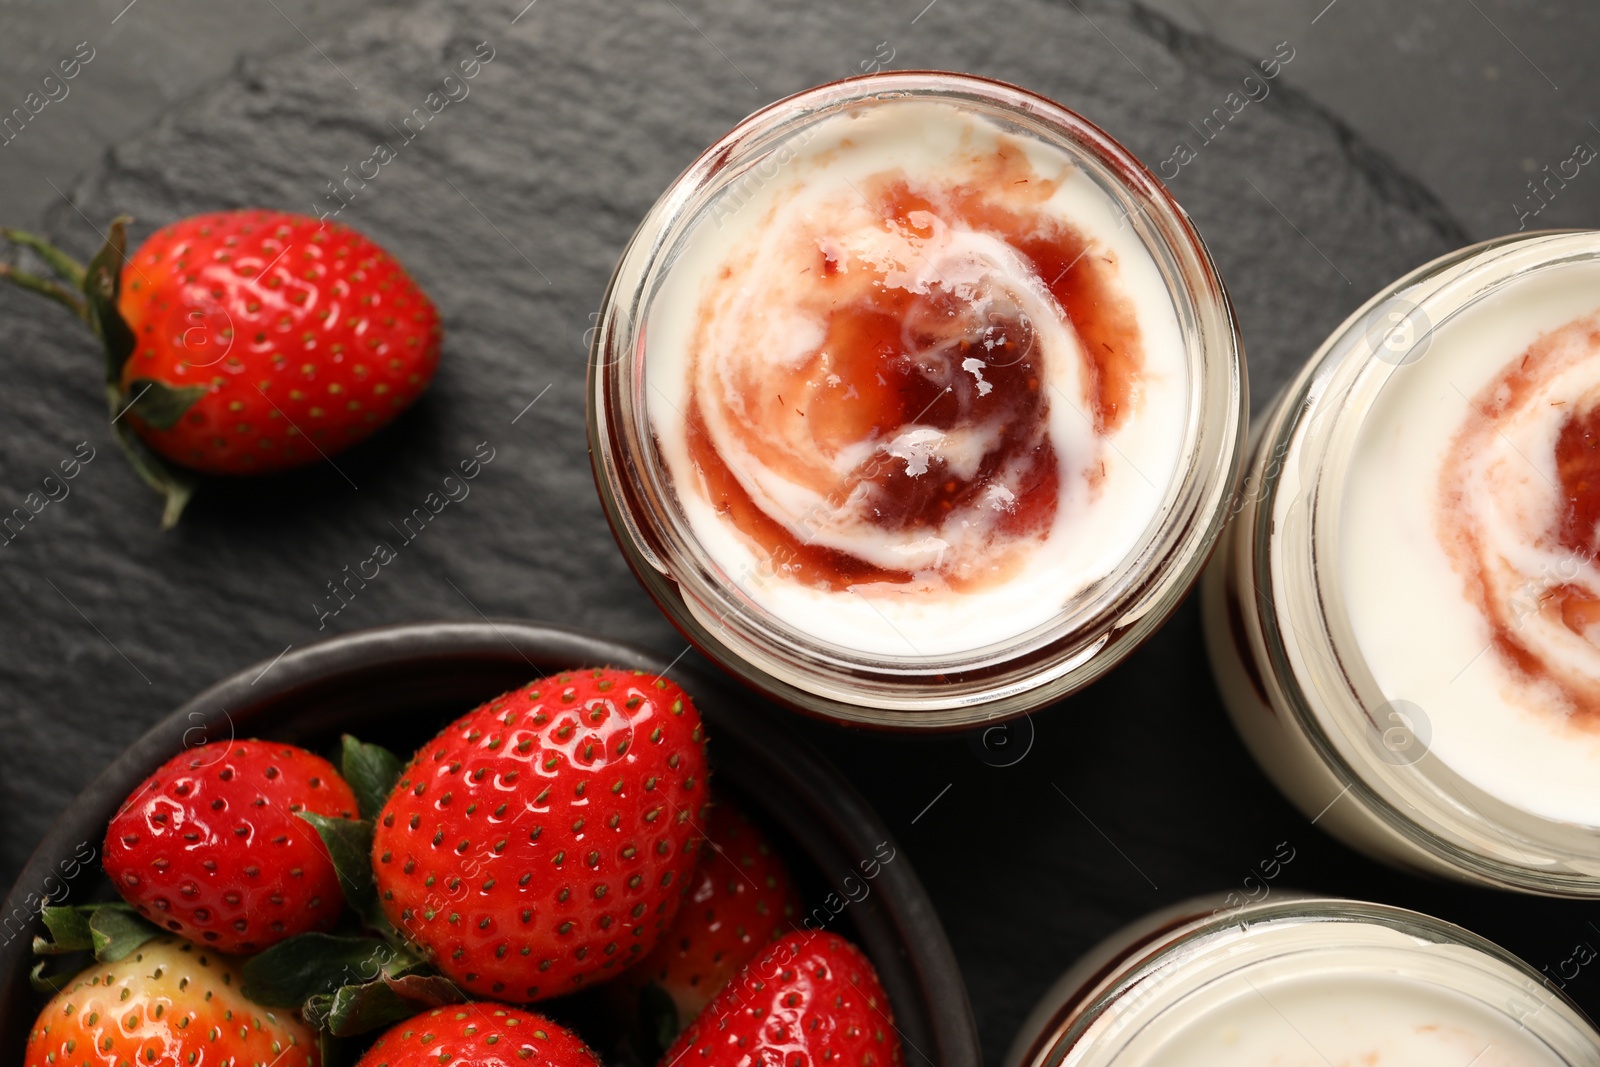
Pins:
<point x="1573" y="526"/>
<point x="899" y="357"/>
<point x="1578" y="468"/>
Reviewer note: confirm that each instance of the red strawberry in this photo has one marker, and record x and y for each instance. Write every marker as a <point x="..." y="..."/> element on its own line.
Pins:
<point x="740" y="900"/>
<point x="295" y="328"/>
<point x="809" y="1000"/>
<point x="211" y="849"/>
<point x="244" y="342"/>
<point x="544" y="840"/>
<point x="478" y="1035"/>
<point x="168" y="1003"/>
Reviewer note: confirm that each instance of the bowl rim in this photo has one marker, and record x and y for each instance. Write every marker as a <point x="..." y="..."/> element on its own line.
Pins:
<point x="921" y="942"/>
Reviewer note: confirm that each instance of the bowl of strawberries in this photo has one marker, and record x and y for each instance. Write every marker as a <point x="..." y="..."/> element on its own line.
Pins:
<point x="474" y="844"/>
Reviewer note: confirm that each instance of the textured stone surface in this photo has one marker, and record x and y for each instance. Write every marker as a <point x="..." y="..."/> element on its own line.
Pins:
<point x="510" y="207"/>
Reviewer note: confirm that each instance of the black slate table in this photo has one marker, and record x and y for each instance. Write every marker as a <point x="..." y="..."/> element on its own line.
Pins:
<point x="511" y="206"/>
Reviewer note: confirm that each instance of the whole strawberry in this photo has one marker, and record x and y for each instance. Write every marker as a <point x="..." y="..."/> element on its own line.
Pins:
<point x="740" y="900"/>
<point x="168" y="1003"/>
<point x="478" y="1035"/>
<point x="245" y="342"/>
<point x="810" y="1000"/>
<point x="302" y="336"/>
<point x="543" y="841"/>
<point x="210" y="846"/>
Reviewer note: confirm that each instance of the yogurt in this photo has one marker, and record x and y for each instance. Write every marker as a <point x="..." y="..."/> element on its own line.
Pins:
<point x="1370" y="1020"/>
<point x="1404" y="618"/>
<point x="1469" y="540"/>
<point x="917" y="383"/>
<point x="1301" y="982"/>
<point x="915" y="401"/>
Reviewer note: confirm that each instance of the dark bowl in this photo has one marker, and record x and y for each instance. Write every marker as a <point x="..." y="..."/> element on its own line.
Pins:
<point x="400" y="684"/>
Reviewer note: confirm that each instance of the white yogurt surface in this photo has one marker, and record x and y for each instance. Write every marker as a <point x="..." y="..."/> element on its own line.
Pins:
<point x="762" y="314"/>
<point x="1324" y="992"/>
<point x="1346" y="1020"/>
<point x="1407" y="551"/>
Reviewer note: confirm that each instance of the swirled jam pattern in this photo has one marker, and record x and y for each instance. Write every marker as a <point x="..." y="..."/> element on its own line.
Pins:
<point x="1520" y="514"/>
<point x="911" y="362"/>
<point x="1469" y="534"/>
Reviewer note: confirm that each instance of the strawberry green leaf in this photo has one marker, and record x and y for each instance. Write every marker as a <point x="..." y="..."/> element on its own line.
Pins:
<point x="346" y="985"/>
<point x="426" y="989"/>
<point x="41" y="982"/>
<point x="349" y="845"/>
<point x="356" y="1009"/>
<point x="291" y="972"/>
<point x="159" y="404"/>
<point x="111" y="931"/>
<point x="371" y="771"/>
<point x="175" y="484"/>
<point x="102" y="284"/>
<point x="69" y="932"/>
<point x="117" y="933"/>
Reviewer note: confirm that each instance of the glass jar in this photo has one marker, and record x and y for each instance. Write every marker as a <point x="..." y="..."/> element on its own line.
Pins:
<point x="1301" y="980"/>
<point x="1363" y="612"/>
<point x="734" y="597"/>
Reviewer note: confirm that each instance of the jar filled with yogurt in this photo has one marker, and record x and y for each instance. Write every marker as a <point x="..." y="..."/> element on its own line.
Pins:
<point x="916" y="401"/>
<point x="1404" y="615"/>
<point x="1302" y="981"/>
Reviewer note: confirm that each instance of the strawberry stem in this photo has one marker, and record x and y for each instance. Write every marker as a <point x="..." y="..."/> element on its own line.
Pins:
<point x="69" y="269"/>
<point x="90" y="293"/>
<point x="175" y="486"/>
<point x="102" y="283"/>
<point x="45" y="287"/>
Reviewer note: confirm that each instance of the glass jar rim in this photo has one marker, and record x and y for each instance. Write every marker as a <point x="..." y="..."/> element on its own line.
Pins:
<point x="975" y="686"/>
<point x="1317" y="667"/>
<point x="1142" y="969"/>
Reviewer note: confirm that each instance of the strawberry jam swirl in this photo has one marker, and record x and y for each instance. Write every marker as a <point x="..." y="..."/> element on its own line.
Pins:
<point x="906" y="381"/>
<point x="1520" y="517"/>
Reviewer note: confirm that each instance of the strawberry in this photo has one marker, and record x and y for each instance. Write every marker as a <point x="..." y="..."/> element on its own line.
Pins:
<point x="292" y="328"/>
<point x="167" y="1003"/>
<point x="478" y="1035"/>
<point x="809" y="1000"/>
<point x="740" y="900"/>
<point x="210" y="846"/>
<point x="245" y="342"/>
<point x="544" y="840"/>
